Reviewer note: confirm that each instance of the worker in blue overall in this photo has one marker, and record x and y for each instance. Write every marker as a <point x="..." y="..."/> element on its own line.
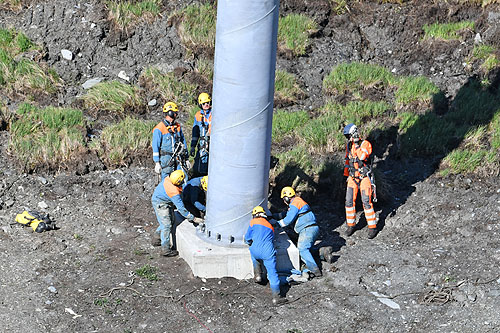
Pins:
<point x="200" y="137"/>
<point x="169" y="144"/>
<point x="194" y="195"/>
<point x="166" y="197"/>
<point x="260" y="237"/>
<point x="305" y="226"/>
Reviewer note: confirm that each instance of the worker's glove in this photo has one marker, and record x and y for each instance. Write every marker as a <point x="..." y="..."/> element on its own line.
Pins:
<point x="190" y="218"/>
<point x="191" y="152"/>
<point x="197" y="220"/>
<point x="158" y="167"/>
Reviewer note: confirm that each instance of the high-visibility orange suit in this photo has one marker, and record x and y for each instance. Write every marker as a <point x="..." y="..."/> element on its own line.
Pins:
<point x="357" y="169"/>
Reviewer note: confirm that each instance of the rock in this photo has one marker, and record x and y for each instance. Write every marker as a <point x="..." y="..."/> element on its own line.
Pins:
<point x="9" y="203"/>
<point x="52" y="289"/>
<point x="152" y="102"/>
<point x="43" y="205"/>
<point x="92" y="82"/>
<point x="42" y="180"/>
<point x="67" y="54"/>
<point x="477" y="39"/>
<point x="122" y="75"/>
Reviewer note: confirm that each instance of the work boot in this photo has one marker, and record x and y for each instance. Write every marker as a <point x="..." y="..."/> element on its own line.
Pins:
<point x="168" y="252"/>
<point x="372" y="232"/>
<point x="257" y="274"/>
<point x="325" y="254"/>
<point x="349" y="231"/>
<point x="156" y="240"/>
<point x="279" y="300"/>
<point x="316" y="273"/>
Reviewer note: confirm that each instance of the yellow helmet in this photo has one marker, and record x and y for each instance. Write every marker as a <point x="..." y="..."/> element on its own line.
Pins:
<point x="177" y="177"/>
<point x="287" y="192"/>
<point x="204" y="183"/>
<point x="204" y="98"/>
<point x="171" y="109"/>
<point x="258" y="210"/>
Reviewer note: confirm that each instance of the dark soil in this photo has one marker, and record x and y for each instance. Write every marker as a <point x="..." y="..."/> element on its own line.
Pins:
<point x="436" y="256"/>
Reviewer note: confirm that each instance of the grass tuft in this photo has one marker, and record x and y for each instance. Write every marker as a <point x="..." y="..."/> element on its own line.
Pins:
<point x="415" y="89"/>
<point x="125" y="13"/>
<point x="19" y="75"/>
<point x="46" y="137"/>
<point x="355" y="76"/>
<point x="285" y="122"/>
<point x="118" y="143"/>
<point x="197" y="26"/>
<point x="294" y="31"/>
<point x="287" y="90"/>
<point x="446" y="31"/>
<point x="168" y="86"/>
<point x="114" y="97"/>
<point x="147" y="271"/>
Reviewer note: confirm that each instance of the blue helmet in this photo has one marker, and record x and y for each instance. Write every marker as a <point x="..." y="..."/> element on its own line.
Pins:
<point x="350" y="130"/>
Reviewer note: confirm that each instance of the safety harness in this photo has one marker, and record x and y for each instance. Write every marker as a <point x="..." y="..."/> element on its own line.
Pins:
<point x="364" y="169"/>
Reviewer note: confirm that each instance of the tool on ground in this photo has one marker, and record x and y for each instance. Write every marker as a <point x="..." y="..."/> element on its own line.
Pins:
<point x="39" y="222"/>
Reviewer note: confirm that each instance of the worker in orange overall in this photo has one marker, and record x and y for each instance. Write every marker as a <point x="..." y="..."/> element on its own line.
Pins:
<point x="357" y="169"/>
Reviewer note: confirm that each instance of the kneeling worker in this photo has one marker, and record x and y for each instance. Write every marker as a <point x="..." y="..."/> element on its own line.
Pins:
<point x="194" y="195"/>
<point x="260" y="237"/>
<point x="166" y="196"/>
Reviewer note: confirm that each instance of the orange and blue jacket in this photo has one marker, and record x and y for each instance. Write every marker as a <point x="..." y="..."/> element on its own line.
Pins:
<point x="201" y="127"/>
<point x="298" y="212"/>
<point x="169" y="193"/>
<point x="165" y="136"/>
<point x="260" y="236"/>
<point x="354" y="152"/>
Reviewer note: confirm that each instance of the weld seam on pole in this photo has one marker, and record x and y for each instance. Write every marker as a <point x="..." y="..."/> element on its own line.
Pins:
<point x="251" y="23"/>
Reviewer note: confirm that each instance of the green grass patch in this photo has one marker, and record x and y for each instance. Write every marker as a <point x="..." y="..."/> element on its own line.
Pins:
<point x="169" y="87"/>
<point x="46" y="137"/>
<point x="465" y="160"/>
<point x="495" y="131"/>
<point x="335" y="115"/>
<point x="415" y="89"/>
<point x="112" y="96"/>
<point x="20" y="75"/>
<point x="299" y="156"/>
<point x="490" y="63"/>
<point x="294" y="31"/>
<point x="339" y="7"/>
<point x="321" y="132"/>
<point x="124" y="13"/>
<point x="197" y="26"/>
<point x="284" y="122"/>
<point x="446" y="31"/>
<point x="205" y="67"/>
<point x="286" y="87"/>
<point x="147" y="271"/>
<point x="120" y="142"/>
<point x="355" y="76"/>
<point x="482" y="51"/>
<point x="464" y="124"/>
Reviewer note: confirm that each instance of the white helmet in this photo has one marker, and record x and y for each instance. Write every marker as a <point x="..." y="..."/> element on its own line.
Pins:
<point x="350" y="130"/>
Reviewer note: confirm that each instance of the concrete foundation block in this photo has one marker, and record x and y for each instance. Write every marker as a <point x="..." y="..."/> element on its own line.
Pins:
<point x="208" y="260"/>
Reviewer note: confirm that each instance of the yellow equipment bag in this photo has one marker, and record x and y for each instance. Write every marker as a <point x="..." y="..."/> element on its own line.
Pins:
<point x="37" y="221"/>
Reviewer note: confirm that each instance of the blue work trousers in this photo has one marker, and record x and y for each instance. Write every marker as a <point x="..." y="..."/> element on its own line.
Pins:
<point x="165" y="216"/>
<point x="307" y="237"/>
<point x="272" y="273"/>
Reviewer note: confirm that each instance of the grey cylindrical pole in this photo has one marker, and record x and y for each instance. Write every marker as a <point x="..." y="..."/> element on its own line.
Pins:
<point x="240" y="143"/>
